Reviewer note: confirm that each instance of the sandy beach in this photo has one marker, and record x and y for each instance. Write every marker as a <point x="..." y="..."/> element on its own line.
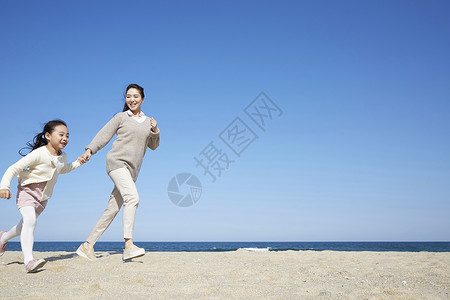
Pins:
<point x="239" y="274"/>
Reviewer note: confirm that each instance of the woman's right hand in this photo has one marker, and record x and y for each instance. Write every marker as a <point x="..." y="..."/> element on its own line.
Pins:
<point x="5" y="193"/>
<point x="85" y="156"/>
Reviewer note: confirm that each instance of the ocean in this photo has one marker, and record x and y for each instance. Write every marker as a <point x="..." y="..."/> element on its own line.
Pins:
<point x="250" y="246"/>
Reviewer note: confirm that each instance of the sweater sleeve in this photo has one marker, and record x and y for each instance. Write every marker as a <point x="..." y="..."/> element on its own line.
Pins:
<point x="153" y="141"/>
<point x="105" y="134"/>
<point x="28" y="161"/>
<point x="69" y="168"/>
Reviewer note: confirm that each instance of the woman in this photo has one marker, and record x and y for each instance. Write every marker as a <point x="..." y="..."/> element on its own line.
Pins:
<point x="135" y="132"/>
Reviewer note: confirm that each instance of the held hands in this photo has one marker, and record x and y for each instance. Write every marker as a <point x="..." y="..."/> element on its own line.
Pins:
<point x="153" y="124"/>
<point x="5" y="193"/>
<point x="85" y="156"/>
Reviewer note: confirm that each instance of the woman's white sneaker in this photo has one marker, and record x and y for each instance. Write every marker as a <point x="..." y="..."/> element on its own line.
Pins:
<point x="133" y="252"/>
<point x="86" y="253"/>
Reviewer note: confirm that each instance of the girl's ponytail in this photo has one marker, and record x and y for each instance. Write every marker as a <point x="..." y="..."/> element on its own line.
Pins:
<point x="39" y="140"/>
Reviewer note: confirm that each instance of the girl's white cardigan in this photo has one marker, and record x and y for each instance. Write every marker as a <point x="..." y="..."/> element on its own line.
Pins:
<point x="38" y="166"/>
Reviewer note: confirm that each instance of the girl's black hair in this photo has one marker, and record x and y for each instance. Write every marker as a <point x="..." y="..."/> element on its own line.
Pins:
<point x="39" y="140"/>
<point x="132" y="86"/>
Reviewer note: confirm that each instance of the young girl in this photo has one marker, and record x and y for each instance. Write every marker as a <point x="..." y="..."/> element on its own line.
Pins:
<point x="37" y="174"/>
<point x="135" y="132"/>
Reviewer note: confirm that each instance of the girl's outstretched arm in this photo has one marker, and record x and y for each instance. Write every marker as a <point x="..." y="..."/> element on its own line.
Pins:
<point x="5" y="193"/>
<point x="29" y="160"/>
<point x="68" y="168"/>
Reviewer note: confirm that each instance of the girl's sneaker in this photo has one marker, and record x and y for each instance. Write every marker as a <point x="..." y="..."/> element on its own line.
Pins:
<point x="34" y="264"/>
<point x="2" y="245"/>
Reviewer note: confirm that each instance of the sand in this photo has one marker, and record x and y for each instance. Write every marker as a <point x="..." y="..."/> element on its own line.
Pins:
<point x="239" y="274"/>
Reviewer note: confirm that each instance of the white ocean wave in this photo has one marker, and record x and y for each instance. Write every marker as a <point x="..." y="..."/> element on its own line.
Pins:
<point x="257" y="249"/>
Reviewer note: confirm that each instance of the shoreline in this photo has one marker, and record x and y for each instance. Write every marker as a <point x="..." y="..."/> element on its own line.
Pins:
<point x="240" y="274"/>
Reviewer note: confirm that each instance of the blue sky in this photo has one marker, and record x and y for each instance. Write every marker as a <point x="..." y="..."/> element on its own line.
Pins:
<point x="360" y="152"/>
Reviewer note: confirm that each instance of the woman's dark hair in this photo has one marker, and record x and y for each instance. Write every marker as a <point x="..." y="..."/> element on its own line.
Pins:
<point x="39" y="140"/>
<point x="132" y="86"/>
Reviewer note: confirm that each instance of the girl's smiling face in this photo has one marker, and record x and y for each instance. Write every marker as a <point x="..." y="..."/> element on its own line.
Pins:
<point x="134" y="100"/>
<point x="59" y="138"/>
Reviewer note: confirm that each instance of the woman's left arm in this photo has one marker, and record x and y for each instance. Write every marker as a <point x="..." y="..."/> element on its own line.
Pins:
<point x="153" y="141"/>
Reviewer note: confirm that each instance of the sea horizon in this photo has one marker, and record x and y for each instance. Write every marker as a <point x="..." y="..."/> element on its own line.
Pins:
<point x="158" y="246"/>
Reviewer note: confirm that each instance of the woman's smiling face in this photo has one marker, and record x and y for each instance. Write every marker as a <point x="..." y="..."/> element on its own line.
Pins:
<point x="134" y="100"/>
